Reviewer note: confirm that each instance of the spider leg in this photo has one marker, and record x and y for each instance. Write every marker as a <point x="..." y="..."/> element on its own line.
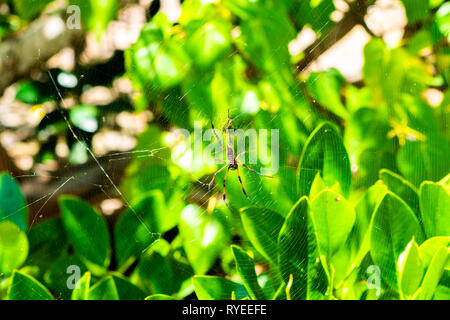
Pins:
<point x="214" y="177"/>
<point x="243" y="189"/>
<point x="247" y="167"/>
<point x="224" y="191"/>
<point x="240" y="154"/>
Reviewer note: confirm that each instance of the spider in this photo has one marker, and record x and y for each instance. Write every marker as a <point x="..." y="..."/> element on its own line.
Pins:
<point x="231" y="163"/>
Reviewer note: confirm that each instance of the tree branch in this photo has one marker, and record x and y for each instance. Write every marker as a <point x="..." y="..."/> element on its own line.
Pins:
<point x="44" y="38"/>
<point x="354" y="16"/>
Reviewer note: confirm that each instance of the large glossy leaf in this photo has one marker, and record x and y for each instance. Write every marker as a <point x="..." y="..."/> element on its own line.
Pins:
<point x="204" y="237"/>
<point x="12" y="202"/>
<point x="324" y="152"/>
<point x="333" y="218"/>
<point x="104" y="290"/>
<point x="115" y="287"/>
<point x="141" y="225"/>
<point x="86" y="230"/>
<point x="63" y="272"/>
<point x="293" y="249"/>
<point x="81" y="290"/>
<point x="365" y="209"/>
<point x="13" y="247"/>
<point x="403" y="189"/>
<point x="160" y="297"/>
<point x="429" y="248"/>
<point x="435" y="206"/>
<point x="25" y="287"/>
<point x="127" y="290"/>
<point x="47" y="242"/>
<point x="217" y="288"/>
<point x="246" y="269"/>
<point x="433" y="274"/>
<point x="262" y="227"/>
<point x="393" y="226"/>
<point x="155" y="269"/>
<point x="410" y="270"/>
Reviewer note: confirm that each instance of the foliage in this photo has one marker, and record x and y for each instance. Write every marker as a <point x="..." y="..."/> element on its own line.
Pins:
<point x="364" y="177"/>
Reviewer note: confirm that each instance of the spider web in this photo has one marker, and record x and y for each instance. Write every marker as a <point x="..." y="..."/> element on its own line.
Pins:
<point x="210" y="201"/>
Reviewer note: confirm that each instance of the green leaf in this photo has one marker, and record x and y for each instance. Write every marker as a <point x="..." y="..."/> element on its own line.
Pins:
<point x="246" y="269"/>
<point x="434" y="274"/>
<point x="217" y="288"/>
<point x="29" y="9"/>
<point x="424" y="160"/>
<point x="86" y="230"/>
<point x="204" y="237"/>
<point x="96" y="15"/>
<point x="365" y="208"/>
<point x="410" y="270"/>
<point x="442" y="20"/>
<point x="393" y="226"/>
<point x="316" y="13"/>
<point x="207" y="42"/>
<point x="403" y="189"/>
<point x="160" y="297"/>
<point x="13" y="247"/>
<point x="262" y="227"/>
<point x="104" y="290"/>
<point x="58" y="273"/>
<point x="435" y="204"/>
<point x="82" y="292"/>
<point x="359" y="239"/>
<point x="171" y="64"/>
<point x="442" y="293"/>
<point x="293" y="249"/>
<point x="28" y="92"/>
<point x="25" y="287"/>
<point x="12" y="202"/>
<point x="416" y="10"/>
<point x="78" y="153"/>
<point x="324" y="87"/>
<point x="333" y="218"/>
<point x="429" y="248"/>
<point x="406" y="74"/>
<point x="420" y="40"/>
<point x="265" y="29"/>
<point x="84" y="117"/>
<point x="47" y="242"/>
<point x="127" y="290"/>
<point x="156" y="269"/>
<point x="139" y="226"/>
<point x="324" y="152"/>
<point x="317" y="187"/>
<point x="368" y="146"/>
